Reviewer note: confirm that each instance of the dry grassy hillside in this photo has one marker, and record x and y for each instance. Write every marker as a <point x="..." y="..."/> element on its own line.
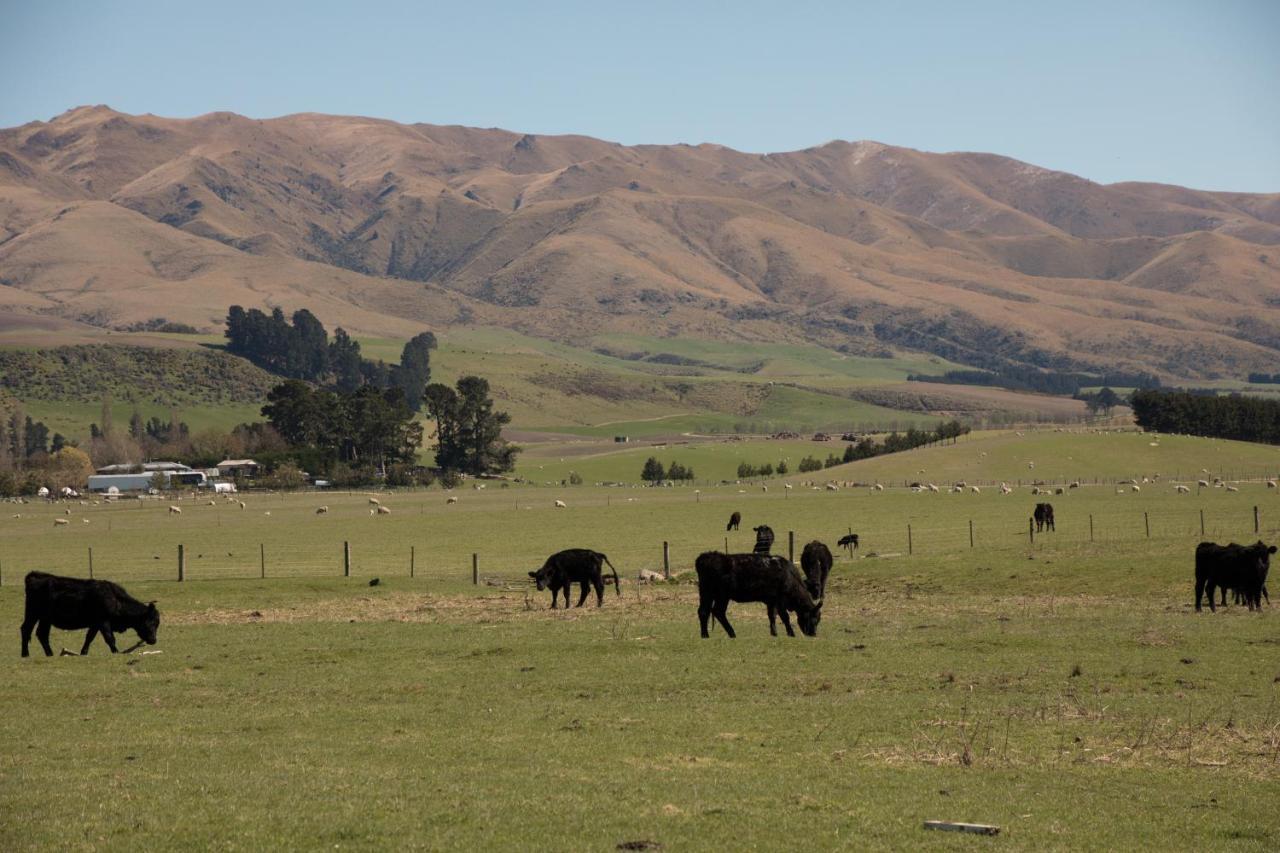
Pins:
<point x="109" y="219"/>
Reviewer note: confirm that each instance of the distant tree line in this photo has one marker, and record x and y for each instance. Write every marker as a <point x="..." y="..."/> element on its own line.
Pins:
<point x="300" y="349"/>
<point x="653" y="471"/>
<point x="1265" y="378"/>
<point x="30" y="459"/>
<point x="1039" y="381"/>
<point x="1231" y="416"/>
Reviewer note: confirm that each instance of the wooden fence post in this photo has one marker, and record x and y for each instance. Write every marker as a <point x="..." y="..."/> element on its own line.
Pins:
<point x="971" y="533"/>
<point x="91" y="564"/>
<point x="666" y="559"/>
<point x="1090" y="527"/>
<point x="475" y="569"/>
<point x="182" y="564"/>
<point x="262" y="560"/>
<point x="1031" y="530"/>
<point x="909" y="548"/>
<point x="346" y="559"/>
<point x="1255" y="519"/>
<point x="1202" y="522"/>
<point x="791" y="545"/>
<point x="726" y="544"/>
<point x="411" y="555"/>
<point x="1146" y="521"/>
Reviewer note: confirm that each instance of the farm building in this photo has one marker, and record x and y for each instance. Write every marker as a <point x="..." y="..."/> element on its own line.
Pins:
<point x="237" y="468"/>
<point x="138" y="478"/>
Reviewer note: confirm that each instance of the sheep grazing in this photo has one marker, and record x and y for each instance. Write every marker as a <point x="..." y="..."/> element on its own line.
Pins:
<point x="878" y="487"/>
<point x="1136" y="488"/>
<point x="382" y="510"/>
<point x="932" y="487"/>
<point x="1005" y="490"/>
<point x="789" y="487"/>
<point x="1271" y="484"/>
<point x="1182" y="490"/>
<point x="975" y="490"/>
<point x="1232" y="489"/>
<point x="452" y="499"/>
<point x="322" y="510"/>
<point x="241" y="504"/>
<point x="832" y="487"/>
<point x="173" y="510"/>
<point x="58" y="521"/>
<point x="374" y="502"/>
<point x="561" y="505"/>
<point x="650" y="576"/>
<point x="1204" y="484"/>
<point x="267" y="513"/>
<point x="66" y="512"/>
<point x="213" y="503"/>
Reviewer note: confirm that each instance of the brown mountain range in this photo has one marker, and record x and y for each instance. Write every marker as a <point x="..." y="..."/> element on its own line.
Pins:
<point x="107" y="220"/>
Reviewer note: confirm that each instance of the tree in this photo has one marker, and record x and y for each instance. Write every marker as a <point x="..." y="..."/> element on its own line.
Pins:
<point x="745" y="470"/>
<point x="809" y="463"/>
<point x="1105" y="401"/>
<point x="414" y="373"/>
<point x="782" y="468"/>
<point x="468" y="430"/>
<point x="69" y="467"/>
<point x="344" y="359"/>
<point x="297" y="413"/>
<point x="653" y="471"/>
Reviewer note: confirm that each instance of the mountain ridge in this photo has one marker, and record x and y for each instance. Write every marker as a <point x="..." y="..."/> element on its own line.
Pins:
<point x="390" y="228"/>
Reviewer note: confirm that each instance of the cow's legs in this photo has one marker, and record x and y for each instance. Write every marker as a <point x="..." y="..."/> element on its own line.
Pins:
<point x="42" y="634"/>
<point x="599" y="585"/>
<point x="1199" y="592"/>
<point x="28" y="625"/>
<point x="586" y="587"/>
<point x="108" y="636"/>
<point x="773" y="620"/>
<point x="786" y="621"/>
<point x="88" y="638"/>
<point x="718" y="610"/>
<point x="704" y="613"/>
<point x="1210" y="588"/>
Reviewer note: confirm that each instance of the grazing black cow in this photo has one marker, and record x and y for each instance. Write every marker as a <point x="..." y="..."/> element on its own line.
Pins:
<point x="574" y="565"/>
<point x="775" y="581"/>
<point x="1242" y="568"/>
<point x="1044" y="517"/>
<point x="72" y="603"/>
<point x="753" y="578"/>
<point x="815" y="561"/>
<point x="734" y="521"/>
<point x="764" y="539"/>
<point x="850" y="542"/>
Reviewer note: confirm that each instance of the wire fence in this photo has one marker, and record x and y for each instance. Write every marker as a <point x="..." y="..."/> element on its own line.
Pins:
<point x="209" y="555"/>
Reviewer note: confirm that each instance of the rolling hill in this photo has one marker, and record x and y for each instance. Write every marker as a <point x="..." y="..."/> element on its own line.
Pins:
<point x="109" y="220"/>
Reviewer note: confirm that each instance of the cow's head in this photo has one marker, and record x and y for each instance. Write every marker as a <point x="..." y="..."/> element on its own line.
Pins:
<point x="1264" y="556"/>
<point x="542" y="577"/>
<point x="149" y="624"/>
<point x="809" y="620"/>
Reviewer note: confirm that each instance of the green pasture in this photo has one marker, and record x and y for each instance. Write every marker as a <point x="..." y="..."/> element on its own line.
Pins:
<point x="1064" y="689"/>
<point x="980" y="457"/>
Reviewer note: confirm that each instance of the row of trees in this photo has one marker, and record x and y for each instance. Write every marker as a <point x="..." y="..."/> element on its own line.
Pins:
<point x="1232" y="416"/>
<point x="300" y="349"/>
<point x="1040" y="381"/>
<point x="746" y="470"/>
<point x="1265" y="378"/>
<point x="654" y="472"/>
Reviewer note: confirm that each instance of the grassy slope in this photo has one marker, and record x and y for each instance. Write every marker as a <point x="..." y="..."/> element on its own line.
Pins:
<point x="427" y="712"/>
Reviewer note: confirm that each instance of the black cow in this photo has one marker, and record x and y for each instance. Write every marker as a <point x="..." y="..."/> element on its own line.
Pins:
<point x="815" y="561"/>
<point x="850" y="542"/>
<point x="775" y="581"/>
<point x="1044" y="517"/>
<point x="1242" y="568"/>
<point x="734" y="521"/>
<point x="574" y="565"/>
<point x="72" y="603"/>
<point x="764" y="539"/>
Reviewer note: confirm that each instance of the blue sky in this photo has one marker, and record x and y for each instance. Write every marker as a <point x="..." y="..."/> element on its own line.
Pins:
<point x="1173" y="91"/>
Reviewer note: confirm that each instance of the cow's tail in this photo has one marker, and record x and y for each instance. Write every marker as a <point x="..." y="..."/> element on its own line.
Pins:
<point x="617" y="587"/>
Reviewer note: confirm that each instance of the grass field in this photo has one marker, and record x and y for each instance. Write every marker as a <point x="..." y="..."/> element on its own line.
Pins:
<point x="1064" y="690"/>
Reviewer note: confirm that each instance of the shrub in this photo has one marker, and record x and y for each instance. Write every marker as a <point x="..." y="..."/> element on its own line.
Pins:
<point x="808" y="464"/>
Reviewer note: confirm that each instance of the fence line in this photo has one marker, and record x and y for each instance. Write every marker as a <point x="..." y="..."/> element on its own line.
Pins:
<point x="352" y="559"/>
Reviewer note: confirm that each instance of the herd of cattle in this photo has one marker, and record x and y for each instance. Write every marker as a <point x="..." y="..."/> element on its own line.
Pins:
<point x="103" y="607"/>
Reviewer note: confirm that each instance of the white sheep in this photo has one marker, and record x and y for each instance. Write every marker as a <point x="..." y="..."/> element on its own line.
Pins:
<point x="561" y="505"/>
<point x="382" y="510"/>
<point x="374" y="502"/>
<point x="1182" y="490"/>
<point x="1271" y="484"/>
<point x="173" y="510"/>
<point x="452" y="499"/>
<point x="1204" y="484"/>
<point x="322" y="510"/>
<point x="975" y="490"/>
<point x="1232" y="489"/>
<point x="58" y="521"/>
<point x="879" y="487"/>
<point x="241" y="504"/>
<point x="650" y="576"/>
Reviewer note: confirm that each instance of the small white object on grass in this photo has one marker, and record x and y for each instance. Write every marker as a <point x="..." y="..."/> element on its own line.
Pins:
<point x="953" y="826"/>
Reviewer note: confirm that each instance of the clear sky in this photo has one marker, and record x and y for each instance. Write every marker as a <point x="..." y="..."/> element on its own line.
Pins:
<point x="1180" y="91"/>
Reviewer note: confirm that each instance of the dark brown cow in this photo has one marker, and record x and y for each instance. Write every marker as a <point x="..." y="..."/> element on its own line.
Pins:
<point x="734" y="521"/>
<point x="815" y="561"/>
<point x="73" y="603"/>
<point x="1044" y="517"/>
<point x="574" y="565"/>
<point x="1242" y="568"/>
<point x="775" y="581"/>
